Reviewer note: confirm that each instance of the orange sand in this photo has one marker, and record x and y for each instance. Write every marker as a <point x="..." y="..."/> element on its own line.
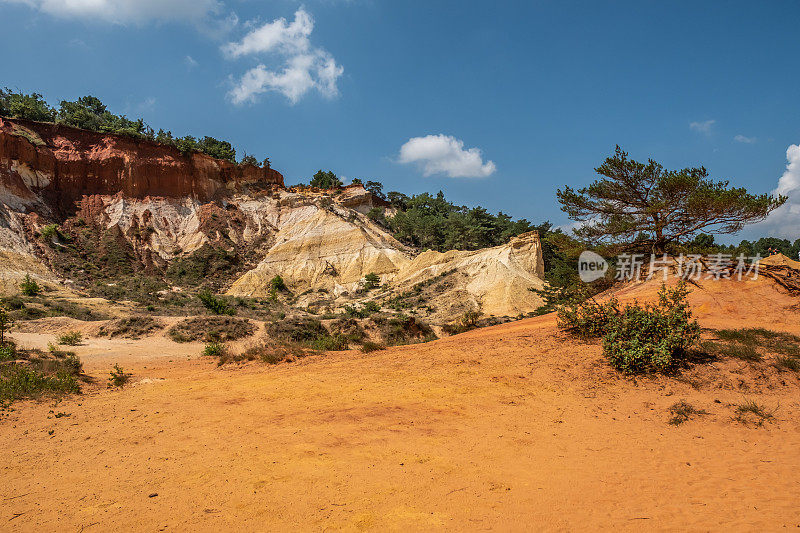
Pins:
<point x="514" y="427"/>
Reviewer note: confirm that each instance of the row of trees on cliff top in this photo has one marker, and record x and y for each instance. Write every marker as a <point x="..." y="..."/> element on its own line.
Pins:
<point x="431" y="222"/>
<point x="89" y="113"/>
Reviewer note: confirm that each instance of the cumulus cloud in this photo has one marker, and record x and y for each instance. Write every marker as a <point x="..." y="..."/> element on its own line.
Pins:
<point x="745" y="140"/>
<point x="126" y="11"/>
<point x="444" y="154"/>
<point x="304" y="66"/>
<point x="702" y="127"/>
<point x="278" y="34"/>
<point x="785" y="221"/>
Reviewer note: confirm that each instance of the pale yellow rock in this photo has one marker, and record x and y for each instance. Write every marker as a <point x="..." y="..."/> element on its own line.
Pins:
<point x="323" y="247"/>
<point x="495" y="280"/>
<point x="312" y="240"/>
<point x="14" y="267"/>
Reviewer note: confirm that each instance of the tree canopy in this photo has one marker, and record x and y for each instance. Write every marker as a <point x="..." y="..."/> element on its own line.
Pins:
<point x="427" y="221"/>
<point x="89" y="113"/>
<point x="643" y="205"/>
<point x="325" y="180"/>
<point x="27" y="106"/>
<point x="376" y="188"/>
<point x="705" y="244"/>
<point x="249" y="160"/>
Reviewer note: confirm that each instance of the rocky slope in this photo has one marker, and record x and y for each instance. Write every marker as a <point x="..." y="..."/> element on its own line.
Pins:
<point x="137" y="207"/>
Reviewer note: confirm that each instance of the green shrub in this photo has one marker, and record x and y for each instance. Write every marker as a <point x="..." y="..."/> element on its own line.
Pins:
<point x="654" y="337"/>
<point x="349" y="328"/>
<point x="330" y="343"/>
<point x="70" y="338"/>
<point x="62" y="361"/>
<point x="29" y="287"/>
<point x="354" y="312"/>
<point x="588" y="318"/>
<point x="276" y="284"/>
<point x="248" y="160"/>
<point x="270" y="353"/>
<point x="131" y="327"/>
<point x="56" y="352"/>
<point x="683" y="411"/>
<point x="6" y="322"/>
<point x="8" y="352"/>
<point x="214" y="349"/>
<point x="403" y="329"/>
<point x="364" y="311"/>
<point x="467" y="321"/>
<point x="118" y="377"/>
<point x="774" y="341"/>
<point x="752" y="411"/>
<point x="19" y="381"/>
<point x="213" y="328"/>
<point x="50" y="232"/>
<point x="72" y="364"/>
<point x="309" y="332"/>
<point x="298" y="329"/>
<point x="371" y="307"/>
<point x="745" y="352"/>
<point x="470" y="319"/>
<point x="215" y="304"/>
<point x="378" y="215"/>
<point x="371" y="281"/>
<point x="369" y="346"/>
<point x="206" y="265"/>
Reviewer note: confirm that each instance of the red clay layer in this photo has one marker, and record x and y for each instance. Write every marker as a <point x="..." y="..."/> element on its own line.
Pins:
<point x="73" y="163"/>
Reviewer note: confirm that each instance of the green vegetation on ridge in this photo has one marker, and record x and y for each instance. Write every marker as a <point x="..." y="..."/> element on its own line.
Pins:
<point x="89" y="113"/>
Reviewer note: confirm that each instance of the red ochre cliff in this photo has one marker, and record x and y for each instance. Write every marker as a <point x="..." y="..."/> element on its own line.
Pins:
<point x="62" y="165"/>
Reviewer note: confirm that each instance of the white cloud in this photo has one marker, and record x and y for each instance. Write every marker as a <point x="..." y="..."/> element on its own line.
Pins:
<point x="147" y="106"/>
<point x="190" y="62"/>
<point x="304" y="67"/>
<point x="790" y="181"/>
<point x="126" y="11"/>
<point x="785" y="221"/>
<point x="290" y="38"/>
<point x="702" y="127"/>
<point x="444" y="154"/>
<point x="745" y="140"/>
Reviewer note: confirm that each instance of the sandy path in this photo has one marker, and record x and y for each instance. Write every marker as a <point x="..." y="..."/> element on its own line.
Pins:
<point x="512" y="427"/>
<point x="101" y="353"/>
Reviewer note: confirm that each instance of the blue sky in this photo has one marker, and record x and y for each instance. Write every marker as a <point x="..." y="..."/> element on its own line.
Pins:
<point x="495" y="103"/>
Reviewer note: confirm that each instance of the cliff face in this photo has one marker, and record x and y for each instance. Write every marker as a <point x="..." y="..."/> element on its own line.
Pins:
<point x="320" y="249"/>
<point x="136" y="208"/>
<point x="60" y="165"/>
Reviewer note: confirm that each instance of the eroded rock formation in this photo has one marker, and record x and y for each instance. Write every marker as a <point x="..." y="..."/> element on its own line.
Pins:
<point x="60" y="165"/>
<point x="161" y="206"/>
